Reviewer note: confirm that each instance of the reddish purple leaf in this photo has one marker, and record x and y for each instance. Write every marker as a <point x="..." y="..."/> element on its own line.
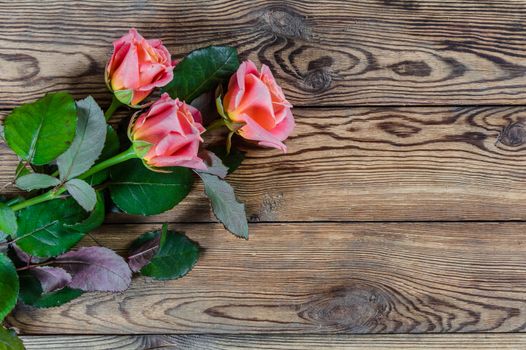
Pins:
<point x="24" y="257"/>
<point x="96" y="269"/>
<point x="51" y="278"/>
<point x="143" y="250"/>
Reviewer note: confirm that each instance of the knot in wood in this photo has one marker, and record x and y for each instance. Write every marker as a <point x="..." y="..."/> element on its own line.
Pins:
<point x="358" y="308"/>
<point x="284" y="22"/>
<point x="513" y="135"/>
<point x="318" y="77"/>
<point x="412" y="68"/>
<point x="317" y="80"/>
<point x="18" y="67"/>
<point x="399" y="129"/>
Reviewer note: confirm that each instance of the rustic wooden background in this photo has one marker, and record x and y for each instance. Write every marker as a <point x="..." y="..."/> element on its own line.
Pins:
<point x="400" y="207"/>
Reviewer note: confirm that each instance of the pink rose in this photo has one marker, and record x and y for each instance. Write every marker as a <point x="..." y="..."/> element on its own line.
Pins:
<point x="255" y="100"/>
<point x="172" y="130"/>
<point x="137" y="66"/>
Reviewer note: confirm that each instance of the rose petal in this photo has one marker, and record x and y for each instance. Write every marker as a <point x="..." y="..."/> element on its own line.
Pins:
<point x="174" y="130"/>
<point x="256" y="103"/>
<point x="126" y="75"/>
<point x="138" y="64"/>
<point x="253" y="131"/>
<point x="283" y="130"/>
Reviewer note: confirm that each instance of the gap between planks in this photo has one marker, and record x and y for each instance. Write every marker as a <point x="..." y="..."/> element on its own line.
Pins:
<point x="279" y="342"/>
<point x="324" y="52"/>
<point x="315" y="278"/>
<point x="376" y="164"/>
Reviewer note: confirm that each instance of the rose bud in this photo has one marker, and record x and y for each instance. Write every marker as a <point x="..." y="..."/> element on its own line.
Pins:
<point x="256" y="103"/>
<point x="136" y="67"/>
<point x="168" y="134"/>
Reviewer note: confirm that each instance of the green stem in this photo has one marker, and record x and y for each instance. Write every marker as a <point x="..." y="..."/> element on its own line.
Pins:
<point x="115" y="104"/>
<point x="38" y="199"/>
<point x="216" y="125"/>
<point x="54" y="193"/>
<point x="229" y="142"/>
<point x="119" y="158"/>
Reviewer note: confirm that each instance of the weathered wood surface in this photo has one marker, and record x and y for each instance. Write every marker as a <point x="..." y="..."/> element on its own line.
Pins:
<point x="316" y="278"/>
<point x="277" y="342"/>
<point x="304" y="281"/>
<point x="324" y="52"/>
<point x="439" y="163"/>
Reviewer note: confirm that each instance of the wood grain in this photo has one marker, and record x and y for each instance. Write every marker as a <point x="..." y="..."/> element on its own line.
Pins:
<point x="370" y="164"/>
<point x="316" y="278"/>
<point x="309" y="277"/>
<point x="277" y="342"/>
<point x="325" y="52"/>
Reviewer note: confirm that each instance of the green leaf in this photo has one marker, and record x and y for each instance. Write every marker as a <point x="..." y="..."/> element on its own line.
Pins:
<point x="226" y="208"/>
<point x="111" y="145"/>
<point x="36" y="181"/>
<point x="137" y="190"/>
<point x="44" y="229"/>
<point x="176" y="256"/>
<point x="8" y="223"/>
<point x="41" y="131"/>
<point x="57" y="298"/>
<point x="219" y="104"/>
<point x="111" y="148"/>
<point x="9" y="286"/>
<point x="88" y="142"/>
<point x="9" y="340"/>
<point x="82" y="192"/>
<point x="141" y="148"/>
<point x="30" y="288"/>
<point x="202" y="70"/>
<point x="31" y="293"/>
<point x="4" y="221"/>
<point x="124" y="96"/>
<point x="21" y="169"/>
<point x="15" y="200"/>
<point x="231" y="160"/>
<point x="94" y="220"/>
<point x="164" y="234"/>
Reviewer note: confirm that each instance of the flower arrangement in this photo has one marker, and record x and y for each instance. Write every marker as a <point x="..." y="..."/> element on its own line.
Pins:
<point x="75" y="167"/>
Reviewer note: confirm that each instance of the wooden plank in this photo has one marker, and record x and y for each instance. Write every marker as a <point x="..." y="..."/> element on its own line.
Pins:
<point x="327" y="52"/>
<point x="280" y="342"/>
<point x="370" y="164"/>
<point x="316" y="278"/>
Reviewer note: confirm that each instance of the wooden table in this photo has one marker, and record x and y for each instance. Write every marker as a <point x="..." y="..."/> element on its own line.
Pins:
<point x="399" y="208"/>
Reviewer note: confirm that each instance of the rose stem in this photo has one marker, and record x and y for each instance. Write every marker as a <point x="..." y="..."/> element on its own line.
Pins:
<point x="52" y="194"/>
<point x="115" y="104"/>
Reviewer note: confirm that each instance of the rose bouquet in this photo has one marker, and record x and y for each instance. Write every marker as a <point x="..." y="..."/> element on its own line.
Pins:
<point x="76" y="166"/>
